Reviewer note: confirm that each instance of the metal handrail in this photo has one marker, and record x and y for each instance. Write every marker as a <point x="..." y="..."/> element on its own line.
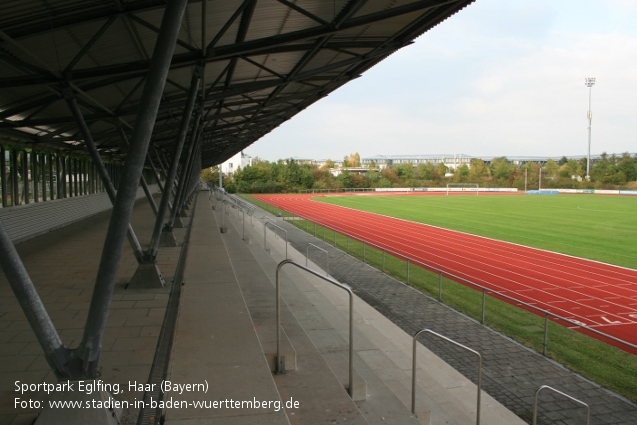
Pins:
<point x="327" y="256"/>
<point x="413" y="370"/>
<point x="219" y="193"/>
<point x="459" y="279"/>
<point x="280" y="363"/>
<point x="249" y="208"/>
<point x="265" y="226"/>
<point x="239" y="208"/>
<point x="546" y="387"/>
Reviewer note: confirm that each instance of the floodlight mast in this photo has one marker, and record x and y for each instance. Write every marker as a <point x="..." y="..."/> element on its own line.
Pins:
<point x="589" y="82"/>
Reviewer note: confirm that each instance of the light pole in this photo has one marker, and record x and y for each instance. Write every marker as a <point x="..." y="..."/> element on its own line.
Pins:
<point x="589" y="82"/>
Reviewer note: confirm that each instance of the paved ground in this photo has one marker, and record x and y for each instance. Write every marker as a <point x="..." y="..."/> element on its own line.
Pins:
<point x="62" y="265"/>
<point x="511" y="374"/>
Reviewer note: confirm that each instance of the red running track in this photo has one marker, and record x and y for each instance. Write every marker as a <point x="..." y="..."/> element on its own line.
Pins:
<point x="598" y="295"/>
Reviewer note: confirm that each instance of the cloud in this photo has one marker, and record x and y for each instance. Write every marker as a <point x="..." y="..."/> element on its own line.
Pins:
<point x="499" y="78"/>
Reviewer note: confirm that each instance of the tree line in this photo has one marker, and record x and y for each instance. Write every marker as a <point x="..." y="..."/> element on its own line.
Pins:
<point x="289" y="175"/>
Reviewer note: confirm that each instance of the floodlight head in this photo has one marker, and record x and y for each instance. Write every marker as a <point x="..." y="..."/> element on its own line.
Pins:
<point x="589" y="82"/>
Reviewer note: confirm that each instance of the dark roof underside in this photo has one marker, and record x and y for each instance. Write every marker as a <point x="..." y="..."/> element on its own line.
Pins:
<point x="261" y="61"/>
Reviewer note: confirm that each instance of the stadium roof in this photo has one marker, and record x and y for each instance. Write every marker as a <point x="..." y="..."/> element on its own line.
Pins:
<point x="260" y="62"/>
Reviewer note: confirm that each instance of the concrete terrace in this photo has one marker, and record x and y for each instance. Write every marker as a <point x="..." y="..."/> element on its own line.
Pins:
<point x="224" y="338"/>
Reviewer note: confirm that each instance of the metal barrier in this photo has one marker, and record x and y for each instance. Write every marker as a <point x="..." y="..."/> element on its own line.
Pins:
<point x="245" y="205"/>
<point x="413" y="370"/>
<point x="546" y="387"/>
<point x="243" y="221"/>
<point x="327" y="256"/>
<point x="265" y="226"/>
<point x="280" y="361"/>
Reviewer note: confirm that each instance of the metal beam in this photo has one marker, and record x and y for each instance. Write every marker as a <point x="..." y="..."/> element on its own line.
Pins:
<point x="91" y="345"/>
<point x="101" y="170"/>
<point x="149" y="196"/>
<point x="54" y="351"/>
<point x="185" y="172"/>
<point x="172" y="172"/>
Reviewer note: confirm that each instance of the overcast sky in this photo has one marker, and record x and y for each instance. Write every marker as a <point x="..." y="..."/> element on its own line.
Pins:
<point x="501" y="77"/>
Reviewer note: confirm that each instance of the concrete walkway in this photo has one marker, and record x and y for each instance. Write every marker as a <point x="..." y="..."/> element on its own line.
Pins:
<point x="63" y="265"/>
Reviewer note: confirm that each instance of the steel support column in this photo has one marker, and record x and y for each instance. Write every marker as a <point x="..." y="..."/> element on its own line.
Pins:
<point x="91" y="345"/>
<point x="192" y="178"/>
<point x="15" y="197"/>
<point x="54" y="351"/>
<point x="183" y="129"/>
<point x="185" y="173"/>
<point x="149" y="195"/>
<point x="157" y="176"/>
<point x="35" y="175"/>
<point x="25" y="177"/>
<point x="43" y="175"/>
<point x="3" y="176"/>
<point x="50" y="159"/>
<point x="97" y="160"/>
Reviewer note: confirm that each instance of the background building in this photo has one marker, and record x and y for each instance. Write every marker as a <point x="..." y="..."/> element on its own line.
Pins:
<point x="238" y="160"/>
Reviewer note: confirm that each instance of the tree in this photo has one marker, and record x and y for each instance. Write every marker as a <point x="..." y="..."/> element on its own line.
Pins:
<point x="210" y="175"/>
<point x="462" y="174"/>
<point x="441" y="170"/>
<point x="328" y="164"/>
<point x="551" y="168"/>
<point x="354" y="160"/>
<point x="425" y="171"/>
<point x="477" y="170"/>
<point x="404" y="171"/>
<point x="628" y="166"/>
<point x="501" y="169"/>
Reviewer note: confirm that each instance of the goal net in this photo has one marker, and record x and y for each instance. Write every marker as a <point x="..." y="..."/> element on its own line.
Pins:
<point x="463" y="187"/>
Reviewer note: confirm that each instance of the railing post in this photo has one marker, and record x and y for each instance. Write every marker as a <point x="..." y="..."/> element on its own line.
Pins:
<point x="546" y="333"/>
<point x="413" y="369"/>
<point x="280" y="361"/>
<point x="364" y="252"/>
<point x="327" y="257"/>
<point x="408" y="271"/>
<point x="383" y="260"/>
<point x="440" y="286"/>
<point x="265" y="224"/>
<point x="546" y="387"/>
<point x="484" y="301"/>
<point x="243" y="220"/>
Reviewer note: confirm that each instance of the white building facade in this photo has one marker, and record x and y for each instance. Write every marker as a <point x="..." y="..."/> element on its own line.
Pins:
<point x="239" y="160"/>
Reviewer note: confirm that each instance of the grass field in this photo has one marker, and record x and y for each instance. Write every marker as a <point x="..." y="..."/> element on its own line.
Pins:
<point x="596" y="227"/>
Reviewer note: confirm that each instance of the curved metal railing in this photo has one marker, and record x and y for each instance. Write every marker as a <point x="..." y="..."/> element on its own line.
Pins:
<point x="546" y="387"/>
<point x="280" y="362"/>
<point x="413" y="368"/>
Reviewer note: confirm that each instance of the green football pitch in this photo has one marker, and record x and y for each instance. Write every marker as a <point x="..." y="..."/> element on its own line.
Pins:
<point x="598" y="227"/>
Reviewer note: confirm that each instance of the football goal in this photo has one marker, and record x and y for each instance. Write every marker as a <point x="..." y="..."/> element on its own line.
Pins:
<point x="463" y="187"/>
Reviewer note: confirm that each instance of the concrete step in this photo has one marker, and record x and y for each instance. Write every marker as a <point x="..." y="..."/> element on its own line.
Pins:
<point x="320" y="397"/>
<point x="302" y="298"/>
<point x="215" y="342"/>
<point x="385" y="351"/>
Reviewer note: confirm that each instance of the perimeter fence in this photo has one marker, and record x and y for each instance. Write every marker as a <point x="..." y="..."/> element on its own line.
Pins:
<point x="545" y="332"/>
